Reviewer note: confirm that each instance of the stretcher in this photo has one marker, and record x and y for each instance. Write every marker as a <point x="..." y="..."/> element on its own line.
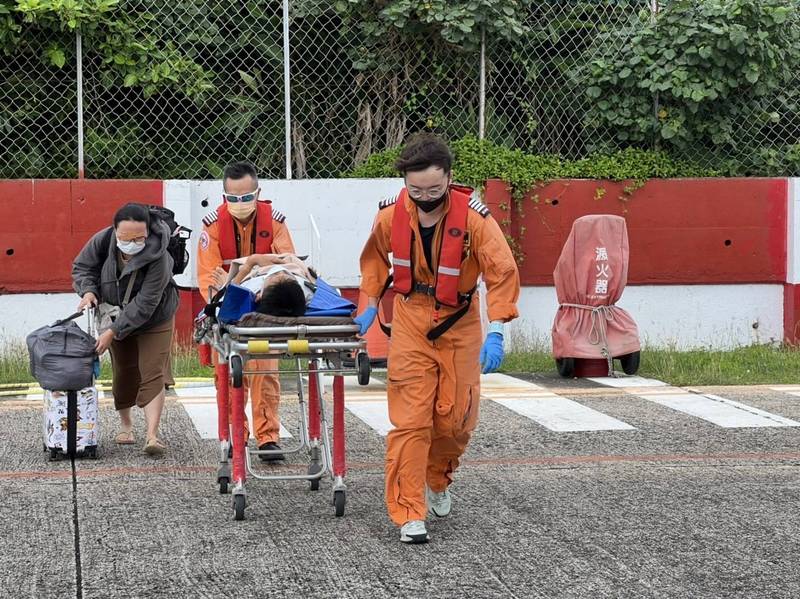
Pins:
<point x="326" y="342"/>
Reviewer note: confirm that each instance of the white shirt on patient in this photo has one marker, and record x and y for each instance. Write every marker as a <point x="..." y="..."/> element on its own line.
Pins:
<point x="255" y="280"/>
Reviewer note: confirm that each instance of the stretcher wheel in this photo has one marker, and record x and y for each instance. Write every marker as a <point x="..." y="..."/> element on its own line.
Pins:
<point x="237" y="370"/>
<point x="566" y="367"/>
<point x="54" y="455"/>
<point x="90" y="452"/>
<point x="630" y="362"/>
<point x="364" y="368"/>
<point x="338" y="503"/>
<point x="238" y="507"/>
<point x="313" y="469"/>
<point x="223" y="484"/>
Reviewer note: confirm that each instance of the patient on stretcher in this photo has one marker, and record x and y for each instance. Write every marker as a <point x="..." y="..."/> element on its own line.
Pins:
<point x="279" y="285"/>
<point x="283" y="285"/>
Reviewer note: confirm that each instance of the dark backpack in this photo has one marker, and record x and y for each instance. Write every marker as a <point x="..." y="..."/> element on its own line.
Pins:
<point x="179" y="237"/>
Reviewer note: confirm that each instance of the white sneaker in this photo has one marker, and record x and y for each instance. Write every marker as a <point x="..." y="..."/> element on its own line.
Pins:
<point x="439" y="504"/>
<point x="414" y="531"/>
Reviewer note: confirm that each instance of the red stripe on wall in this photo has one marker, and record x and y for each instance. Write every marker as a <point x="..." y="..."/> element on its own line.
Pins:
<point x="791" y="313"/>
<point x="47" y="222"/>
<point x="690" y="231"/>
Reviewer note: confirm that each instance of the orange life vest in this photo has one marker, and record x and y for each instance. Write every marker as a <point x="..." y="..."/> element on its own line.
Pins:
<point x="262" y="233"/>
<point x="449" y="263"/>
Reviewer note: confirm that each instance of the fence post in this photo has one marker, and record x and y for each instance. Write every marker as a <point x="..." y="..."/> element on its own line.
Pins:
<point x="482" y="89"/>
<point x="656" y="103"/>
<point x="287" y="97"/>
<point x="79" y="72"/>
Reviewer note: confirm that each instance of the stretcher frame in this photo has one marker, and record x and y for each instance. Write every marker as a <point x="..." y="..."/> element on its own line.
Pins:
<point x="236" y="345"/>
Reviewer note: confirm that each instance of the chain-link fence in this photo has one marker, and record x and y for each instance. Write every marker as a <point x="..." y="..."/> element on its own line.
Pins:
<point x="179" y="89"/>
<point x="215" y="93"/>
<point x="533" y="99"/>
<point x="38" y="120"/>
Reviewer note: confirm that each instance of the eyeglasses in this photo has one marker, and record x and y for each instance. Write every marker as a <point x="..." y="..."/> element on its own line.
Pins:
<point x="415" y="193"/>
<point x="140" y="239"/>
<point x="234" y="199"/>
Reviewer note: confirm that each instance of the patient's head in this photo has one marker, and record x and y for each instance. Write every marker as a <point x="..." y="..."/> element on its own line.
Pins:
<point x="282" y="297"/>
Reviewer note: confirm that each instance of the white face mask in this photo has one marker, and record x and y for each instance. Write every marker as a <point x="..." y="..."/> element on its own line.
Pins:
<point x="130" y="247"/>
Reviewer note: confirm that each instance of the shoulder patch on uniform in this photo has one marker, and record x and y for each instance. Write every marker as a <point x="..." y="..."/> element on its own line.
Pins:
<point x="210" y="218"/>
<point x="385" y="203"/>
<point x="278" y="216"/>
<point x="479" y="207"/>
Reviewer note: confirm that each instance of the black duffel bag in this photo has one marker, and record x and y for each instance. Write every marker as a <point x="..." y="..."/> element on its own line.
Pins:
<point x="62" y="355"/>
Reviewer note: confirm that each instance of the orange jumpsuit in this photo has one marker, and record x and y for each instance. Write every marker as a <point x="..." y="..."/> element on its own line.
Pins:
<point x="265" y="389"/>
<point x="434" y="386"/>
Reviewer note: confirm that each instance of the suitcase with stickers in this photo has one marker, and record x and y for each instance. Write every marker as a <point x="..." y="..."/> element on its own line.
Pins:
<point x="63" y="361"/>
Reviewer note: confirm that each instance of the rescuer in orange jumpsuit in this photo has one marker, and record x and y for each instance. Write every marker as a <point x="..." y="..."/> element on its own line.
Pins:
<point x="241" y="226"/>
<point x="440" y="241"/>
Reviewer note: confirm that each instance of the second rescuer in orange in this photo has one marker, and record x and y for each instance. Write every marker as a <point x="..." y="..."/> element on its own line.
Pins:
<point x="242" y="226"/>
<point x="440" y="241"/>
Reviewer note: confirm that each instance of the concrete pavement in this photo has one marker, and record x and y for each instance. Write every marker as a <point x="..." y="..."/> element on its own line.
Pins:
<point x="674" y="505"/>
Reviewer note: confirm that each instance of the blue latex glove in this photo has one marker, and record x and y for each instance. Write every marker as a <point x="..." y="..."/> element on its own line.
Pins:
<point x="492" y="353"/>
<point x="365" y="319"/>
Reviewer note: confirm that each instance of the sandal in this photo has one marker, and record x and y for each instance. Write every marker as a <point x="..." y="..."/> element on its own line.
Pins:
<point x="154" y="447"/>
<point x="125" y="438"/>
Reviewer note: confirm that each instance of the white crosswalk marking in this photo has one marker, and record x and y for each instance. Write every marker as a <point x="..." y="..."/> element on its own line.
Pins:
<point x="537" y="403"/>
<point x="626" y="382"/>
<point x="374" y="413"/>
<point x="718" y="410"/>
<point x="562" y="415"/>
<point x="552" y="411"/>
<point x="204" y="418"/>
<point x="199" y="391"/>
<point x="711" y="408"/>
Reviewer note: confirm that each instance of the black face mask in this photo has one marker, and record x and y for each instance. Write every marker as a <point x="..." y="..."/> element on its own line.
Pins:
<point x="429" y="205"/>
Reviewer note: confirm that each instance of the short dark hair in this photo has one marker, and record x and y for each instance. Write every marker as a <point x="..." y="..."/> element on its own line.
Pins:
<point x="135" y="212"/>
<point x="239" y="170"/>
<point x="283" y="298"/>
<point x="423" y="150"/>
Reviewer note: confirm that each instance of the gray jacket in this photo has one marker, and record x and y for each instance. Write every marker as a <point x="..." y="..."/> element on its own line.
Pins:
<point x="154" y="298"/>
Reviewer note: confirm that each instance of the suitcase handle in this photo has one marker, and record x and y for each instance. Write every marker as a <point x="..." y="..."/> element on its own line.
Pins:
<point x="67" y="319"/>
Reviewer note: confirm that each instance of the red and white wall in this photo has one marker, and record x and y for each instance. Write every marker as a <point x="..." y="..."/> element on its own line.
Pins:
<point x="714" y="262"/>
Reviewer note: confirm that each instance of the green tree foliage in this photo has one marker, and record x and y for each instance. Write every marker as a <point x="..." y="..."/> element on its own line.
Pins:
<point x="690" y="79"/>
<point x="177" y="89"/>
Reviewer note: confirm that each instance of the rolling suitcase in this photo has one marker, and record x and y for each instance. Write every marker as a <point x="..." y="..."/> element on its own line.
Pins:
<point x="63" y="361"/>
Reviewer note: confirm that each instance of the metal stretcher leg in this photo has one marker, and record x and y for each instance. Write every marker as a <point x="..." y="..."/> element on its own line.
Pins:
<point x="239" y="449"/>
<point x="314" y="400"/>
<point x="223" y="426"/>
<point x="339" y="468"/>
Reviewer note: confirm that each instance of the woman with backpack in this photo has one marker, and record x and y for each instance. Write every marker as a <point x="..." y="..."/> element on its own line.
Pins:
<point x="126" y="271"/>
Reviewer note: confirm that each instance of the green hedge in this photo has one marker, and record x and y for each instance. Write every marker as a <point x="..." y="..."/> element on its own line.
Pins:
<point x="479" y="160"/>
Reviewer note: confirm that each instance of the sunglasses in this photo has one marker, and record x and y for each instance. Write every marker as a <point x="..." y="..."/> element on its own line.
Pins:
<point x="234" y="199"/>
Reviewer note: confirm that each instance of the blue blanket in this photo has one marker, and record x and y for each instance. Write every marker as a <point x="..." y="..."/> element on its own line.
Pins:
<point x="326" y="301"/>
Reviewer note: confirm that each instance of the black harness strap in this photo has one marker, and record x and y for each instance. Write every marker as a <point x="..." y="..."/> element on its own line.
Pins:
<point x="443" y="326"/>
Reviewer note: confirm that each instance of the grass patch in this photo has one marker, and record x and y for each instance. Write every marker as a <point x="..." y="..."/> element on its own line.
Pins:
<point x="752" y="365"/>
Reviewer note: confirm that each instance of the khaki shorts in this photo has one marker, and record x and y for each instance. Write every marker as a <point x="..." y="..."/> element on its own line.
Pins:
<point x="138" y="364"/>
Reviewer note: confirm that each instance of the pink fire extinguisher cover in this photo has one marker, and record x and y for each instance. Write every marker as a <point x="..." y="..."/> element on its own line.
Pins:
<point x="592" y="271"/>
